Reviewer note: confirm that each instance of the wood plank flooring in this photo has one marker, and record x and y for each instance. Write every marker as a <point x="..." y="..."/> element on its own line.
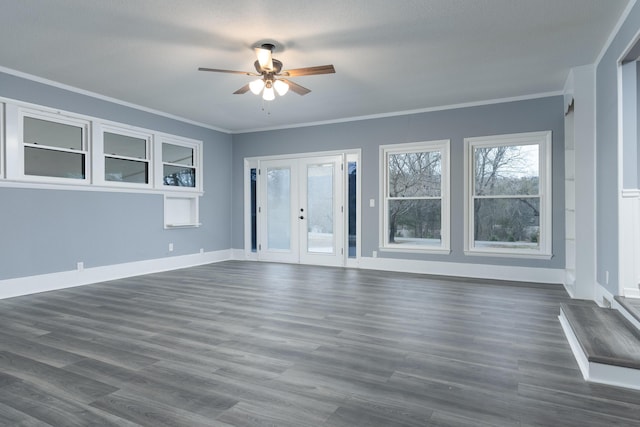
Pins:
<point x="259" y="344"/>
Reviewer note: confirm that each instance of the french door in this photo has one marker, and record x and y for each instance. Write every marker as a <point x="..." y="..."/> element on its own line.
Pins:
<point x="300" y="211"/>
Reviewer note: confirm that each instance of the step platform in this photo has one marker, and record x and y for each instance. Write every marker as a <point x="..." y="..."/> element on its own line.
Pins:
<point x="605" y="344"/>
<point x="630" y="308"/>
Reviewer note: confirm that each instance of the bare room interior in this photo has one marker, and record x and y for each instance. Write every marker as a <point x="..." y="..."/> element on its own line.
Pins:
<point x="326" y="214"/>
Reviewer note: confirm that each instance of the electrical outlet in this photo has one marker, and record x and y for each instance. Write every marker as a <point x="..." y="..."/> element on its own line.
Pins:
<point x="201" y="250"/>
<point x="80" y="266"/>
<point x="170" y="247"/>
<point x="372" y="203"/>
<point x="375" y="254"/>
<point x="606" y="277"/>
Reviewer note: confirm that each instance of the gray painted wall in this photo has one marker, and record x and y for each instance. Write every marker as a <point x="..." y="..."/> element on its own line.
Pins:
<point x="607" y="152"/>
<point x="455" y="124"/>
<point x="47" y="231"/>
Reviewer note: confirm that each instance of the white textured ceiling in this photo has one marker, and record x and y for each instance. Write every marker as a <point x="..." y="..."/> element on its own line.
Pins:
<point x="390" y="56"/>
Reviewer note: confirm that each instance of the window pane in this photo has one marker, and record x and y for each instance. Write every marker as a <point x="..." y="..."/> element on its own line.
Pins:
<point x="52" y="134"/>
<point x="125" y="171"/>
<point x="512" y="223"/>
<point x="254" y="210"/>
<point x="279" y="209"/>
<point x="60" y="164"/>
<point x="126" y="146"/>
<point x="415" y="174"/>
<point x="179" y="176"/>
<point x="320" y="208"/>
<point x="415" y="222"/>
<point x="507" y="170"/>
<point x="177" y="154"/>
<point x="353" y="171"/>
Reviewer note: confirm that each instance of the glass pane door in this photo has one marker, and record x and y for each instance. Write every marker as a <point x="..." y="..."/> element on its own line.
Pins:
<point x="321" y="230"/>
<point x="278" y="211"/>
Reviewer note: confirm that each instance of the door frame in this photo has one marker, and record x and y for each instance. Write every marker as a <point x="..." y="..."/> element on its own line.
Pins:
<point x="254" y="162"/>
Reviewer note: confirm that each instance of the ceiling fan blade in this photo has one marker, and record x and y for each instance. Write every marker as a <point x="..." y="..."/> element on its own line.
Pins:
<point x="264" y="58"/>
<point x="300" y="90"/>
<point x="216" y="70"/>
<point x="243" y="89"/>
<point x="309" y="71"/>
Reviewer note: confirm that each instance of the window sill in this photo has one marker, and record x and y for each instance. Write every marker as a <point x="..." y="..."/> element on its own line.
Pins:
<point x="508" y="254"/>
<point x="435" y="251"/>
<point x="168" y="226"/>
<point x="96" y="187"/>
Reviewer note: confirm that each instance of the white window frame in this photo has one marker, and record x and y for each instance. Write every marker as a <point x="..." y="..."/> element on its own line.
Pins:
<point x="414" y="147"/>
<point x="543" y="140"/>
<point x="195" y="145"/>
<point x="2" y="142"/>
<point x="100" y="156"/>
<point x="19" y="171"/>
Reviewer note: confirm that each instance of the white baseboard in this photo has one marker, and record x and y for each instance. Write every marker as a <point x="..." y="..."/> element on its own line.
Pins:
<point x="241" y="255"/>
<point x="632" y="292"/>
<point x="602" y="295"/>
<point x="48" y="282"/>
<point x="456" y="269"/>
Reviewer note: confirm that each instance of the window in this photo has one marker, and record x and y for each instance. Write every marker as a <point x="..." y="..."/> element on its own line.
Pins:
<point x="508" y="185"/>
<point x="54" y="147"/>
<point x="126" y="156"/>
<point x="180" y="162"/>
<point x="416" y="196"/>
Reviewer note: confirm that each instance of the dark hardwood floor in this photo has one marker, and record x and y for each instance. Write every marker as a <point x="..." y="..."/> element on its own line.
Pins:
<point x="258" y="344"/>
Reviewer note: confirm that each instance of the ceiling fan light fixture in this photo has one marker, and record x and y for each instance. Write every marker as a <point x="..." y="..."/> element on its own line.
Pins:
<point x="281" y="87"/>
<point x="256" y="86"/>
<point x="264" y="56"/>
<point x="268" y="94"/>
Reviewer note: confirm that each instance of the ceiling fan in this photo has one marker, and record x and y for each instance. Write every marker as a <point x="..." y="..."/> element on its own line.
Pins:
<point x="270" y="73"/>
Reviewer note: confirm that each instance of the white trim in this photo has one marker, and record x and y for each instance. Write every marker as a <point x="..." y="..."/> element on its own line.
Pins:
<point x="576" y="349"/>
<point x="631" y="292"/>
<point x="248" y="165"/>
<point x="614" y="32"/>
<point x="106" y="98"/>
<point x="616" y="305"/>
<point x="93" y="150"/>
<point x="603" y="297"/>
<point x="357" y="151"/>
<point x="543" y="139"/>
<point x="457" y="269"/>
<point x="2" y="142"/>
<point x="630" y="193"/>
<point x="629" y="243"/>
<point x="99" y="156"/>
<point x="570" y="287"/>
<point x="48" y="282"/>
<point x="197" y="151"/>
<point x="239" y="255"/>
<point x="444" y="147"/>
<point x="251" y="162"/>
<point x="292" y="126"/>
<point x="58" y="118"/>
<point x="618" y="376"/>
<point x="403" y="113"/>
<point x="353" y="262"/>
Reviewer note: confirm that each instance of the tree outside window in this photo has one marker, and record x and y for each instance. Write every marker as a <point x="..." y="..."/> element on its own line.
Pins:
<point x="509" y="205"/>
<point x="414" y="196"/>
